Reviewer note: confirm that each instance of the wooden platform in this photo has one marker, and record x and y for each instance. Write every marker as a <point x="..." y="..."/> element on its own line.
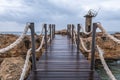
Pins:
<point x="63" y="62"/>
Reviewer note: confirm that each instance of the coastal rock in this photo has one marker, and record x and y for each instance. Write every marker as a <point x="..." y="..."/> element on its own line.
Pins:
<point x="63" y="32"/>
<point x="6" y="40"/>
<point x="11" y="68"/>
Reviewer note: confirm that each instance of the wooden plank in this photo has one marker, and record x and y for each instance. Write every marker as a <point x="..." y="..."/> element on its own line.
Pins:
<point x="62" y="62"/>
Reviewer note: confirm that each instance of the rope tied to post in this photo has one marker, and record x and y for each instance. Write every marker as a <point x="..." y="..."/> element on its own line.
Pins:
<point x="107" y="34"/>
<point x="27" y="59"/>
<point x="3" y="50"/>
<point x="109" y="73"/>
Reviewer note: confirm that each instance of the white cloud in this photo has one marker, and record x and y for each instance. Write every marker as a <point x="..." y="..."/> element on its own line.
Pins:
<point x="11" y="26"/>
<point x="18" y="12"/>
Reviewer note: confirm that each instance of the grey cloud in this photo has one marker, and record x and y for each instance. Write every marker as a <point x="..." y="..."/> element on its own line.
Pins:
<point x="41" y="11"/>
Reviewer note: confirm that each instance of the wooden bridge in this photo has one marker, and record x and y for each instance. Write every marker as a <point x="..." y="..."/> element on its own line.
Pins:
<point x="62" y="61"/>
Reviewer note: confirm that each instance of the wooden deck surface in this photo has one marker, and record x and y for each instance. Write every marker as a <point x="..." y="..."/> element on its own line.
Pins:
<point x="62" y="62"/>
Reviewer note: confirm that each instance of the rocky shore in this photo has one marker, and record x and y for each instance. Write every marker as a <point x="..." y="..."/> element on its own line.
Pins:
<point x="12" y="61"/>
<point x="111" y="48"/>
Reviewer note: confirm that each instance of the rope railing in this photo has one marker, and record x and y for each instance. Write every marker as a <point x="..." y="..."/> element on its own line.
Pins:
<point x="37" y="50"/>
<point x="82" y="44"/>
<point x="15" y="43"/>
<point x="81" y="40"/>
<point x="109" y="73"/>
<point x="86" y="33"/>
<point x="3" y="50"/>
<point x="42" y="31"/>
<point x="100" y="51"/>
<point x="74" y="38"/>
<point x="27" y="59"/>
<point x="107" y="34"/>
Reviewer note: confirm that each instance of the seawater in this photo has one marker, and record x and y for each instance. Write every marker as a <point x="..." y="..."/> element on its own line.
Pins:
<point x="114" y="66"/>
<point x="18" y="33"/>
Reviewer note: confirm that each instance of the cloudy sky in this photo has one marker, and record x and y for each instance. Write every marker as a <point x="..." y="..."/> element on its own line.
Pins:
<point x="15" y="13"/>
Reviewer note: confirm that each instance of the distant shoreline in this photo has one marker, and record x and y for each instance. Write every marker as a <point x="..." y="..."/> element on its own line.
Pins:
<point x="19" y="33"/>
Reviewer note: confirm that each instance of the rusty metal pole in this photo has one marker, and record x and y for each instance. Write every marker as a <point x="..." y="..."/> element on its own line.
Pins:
<point x="78" y="37"/>
<point x="33" y="46"/>
<point x="45" y="27"/>
<point x="93" y="46"/>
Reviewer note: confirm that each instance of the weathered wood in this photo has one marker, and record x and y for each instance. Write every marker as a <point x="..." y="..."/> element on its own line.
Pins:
<point x="62" y="62"/>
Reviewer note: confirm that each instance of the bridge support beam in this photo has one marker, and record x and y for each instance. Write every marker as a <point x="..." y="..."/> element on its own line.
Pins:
<point x="93" y="46"/>
<point x="33" y="46"/>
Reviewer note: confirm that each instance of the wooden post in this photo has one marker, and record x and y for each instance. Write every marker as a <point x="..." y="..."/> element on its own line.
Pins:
<point x="93" y="46"/>
<point x="78" y="37"/>
<point x="68" y="30"/>
<point x="45" y="27"/>
<point x="33" y="46"/>
<point x="54" y="29"/>
<point x="72" y="33"/>
<point x="50" y="26"/>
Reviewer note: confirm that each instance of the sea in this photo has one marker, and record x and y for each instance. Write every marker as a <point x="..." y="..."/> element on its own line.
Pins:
<point x="113" y="65"/>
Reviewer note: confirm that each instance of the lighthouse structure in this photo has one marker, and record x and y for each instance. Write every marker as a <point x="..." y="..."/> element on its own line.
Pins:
<point x="88" y="22"/>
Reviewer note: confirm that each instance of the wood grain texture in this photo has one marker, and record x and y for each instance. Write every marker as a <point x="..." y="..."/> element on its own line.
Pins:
<point x="62" y="62"/>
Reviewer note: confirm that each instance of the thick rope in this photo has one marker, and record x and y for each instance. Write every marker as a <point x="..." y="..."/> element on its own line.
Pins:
<point x="109" y="73"/>
<point x="75" y="38"/>
<point x="48" y="40"/>
<point x="108" y="35"/>
<point x="42" y="31"/>
<point x="37" y="50"/>
<point x="3" y="50"/>
<point x="87" y="33"/>
<point x="25" y="65"/>
<point x="27" y="60"/>
<point x="86" y="50"/>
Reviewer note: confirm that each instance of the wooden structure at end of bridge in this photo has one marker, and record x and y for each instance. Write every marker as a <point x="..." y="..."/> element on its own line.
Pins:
<point x="62" y="61"/>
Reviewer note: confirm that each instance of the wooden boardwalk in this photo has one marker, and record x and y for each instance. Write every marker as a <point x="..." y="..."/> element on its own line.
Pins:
<point x="62" y="62"/>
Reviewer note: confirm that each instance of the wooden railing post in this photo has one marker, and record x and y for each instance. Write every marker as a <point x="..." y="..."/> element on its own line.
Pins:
<point x="72" y="33"/>
<point x="68" y="30"/>
<point x="33" y="46"/>
<point x="78" y="37"/>
<point x="93" y="46"/>
<point x="54" y="30"/>
<point x="50" y="26"/>
<point x="45" y="28"/>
